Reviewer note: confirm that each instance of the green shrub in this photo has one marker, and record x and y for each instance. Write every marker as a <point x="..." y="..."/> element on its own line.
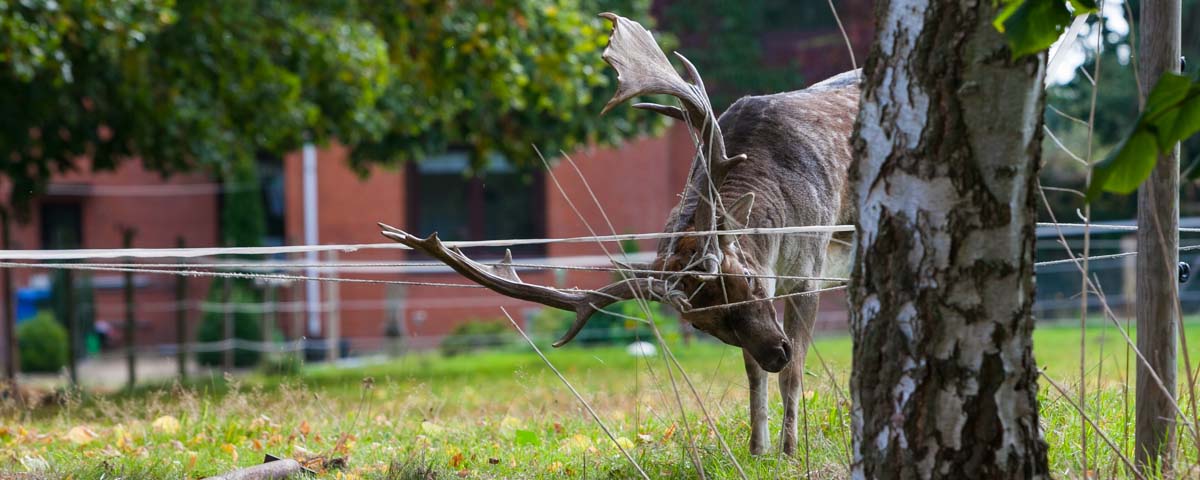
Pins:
<point x="281" y="364"/>
<point x="42" y="343"/>
<point x="246" y="325"/>
<point x="605" y="328"/>
<point x="287" y="364"/>
<point x="478" y="335"/>
<point x="548" y="324"/>
<point x="83" y="301"/>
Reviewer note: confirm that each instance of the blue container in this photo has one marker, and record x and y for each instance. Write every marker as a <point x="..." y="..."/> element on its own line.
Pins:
<point x="29" y="300"/>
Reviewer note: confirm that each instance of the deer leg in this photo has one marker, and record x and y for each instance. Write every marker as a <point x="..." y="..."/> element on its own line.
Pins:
<point x="799" y="316"/>
<point x="760" y="439"/>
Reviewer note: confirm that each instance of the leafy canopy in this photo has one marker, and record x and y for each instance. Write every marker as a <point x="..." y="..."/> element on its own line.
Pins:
<point x="499" y="76"/>
<point x="193" y="85"/>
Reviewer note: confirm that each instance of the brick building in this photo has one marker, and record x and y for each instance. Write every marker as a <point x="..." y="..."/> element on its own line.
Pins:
<point x="637" y="185"/>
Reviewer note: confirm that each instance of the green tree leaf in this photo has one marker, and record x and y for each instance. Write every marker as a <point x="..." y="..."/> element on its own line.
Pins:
<point x="1081" y="7"/>
<point x="1171" y="114"/>
<point x="1031" y="26"/>
<point x="1127" y="166"/>
<point x="526" y="437"/>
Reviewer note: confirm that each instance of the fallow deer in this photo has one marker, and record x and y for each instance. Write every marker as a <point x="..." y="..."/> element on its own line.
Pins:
<point x="789" y="168"/>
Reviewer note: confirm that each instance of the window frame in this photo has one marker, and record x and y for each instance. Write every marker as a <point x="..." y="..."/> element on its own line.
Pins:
<point x="477" y="213"/>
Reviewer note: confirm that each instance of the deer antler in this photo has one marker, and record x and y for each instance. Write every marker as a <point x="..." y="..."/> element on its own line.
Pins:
<point x="503" y="279"/>
<point x="642" y="69"/>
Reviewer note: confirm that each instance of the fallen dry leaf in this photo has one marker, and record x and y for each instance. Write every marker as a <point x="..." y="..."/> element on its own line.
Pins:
<point x="231" y="450"/>
<point x="81" y="435"/>
<point x="575" y="443"/>
<point x="509" y="426"/>
<point x="431" y="428"/>
<point x="166" y="424"/>
<point x="668" y="433"/>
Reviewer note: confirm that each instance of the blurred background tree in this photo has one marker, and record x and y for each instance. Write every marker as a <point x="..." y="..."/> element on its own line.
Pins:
<point x="724" y="40"/>
<point x="192" y="85"/>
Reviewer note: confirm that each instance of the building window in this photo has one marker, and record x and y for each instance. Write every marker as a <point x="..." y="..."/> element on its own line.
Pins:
<point x="501" y="202"/>
<point x="62" y="224"/>
<point x="270" y="183"/>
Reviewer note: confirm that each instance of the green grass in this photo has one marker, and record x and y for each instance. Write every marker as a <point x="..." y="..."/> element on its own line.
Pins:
<point x="504" y="415"/>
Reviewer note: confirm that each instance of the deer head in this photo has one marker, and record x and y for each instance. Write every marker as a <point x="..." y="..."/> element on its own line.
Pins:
<point x="715" y="283"/>
<point x="713" y="270"/>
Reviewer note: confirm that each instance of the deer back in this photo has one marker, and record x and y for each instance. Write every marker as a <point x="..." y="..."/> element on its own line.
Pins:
<point x="797" y="148"/>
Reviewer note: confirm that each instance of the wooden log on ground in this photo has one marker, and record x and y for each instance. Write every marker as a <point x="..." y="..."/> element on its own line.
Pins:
<point x="273" y="470"/>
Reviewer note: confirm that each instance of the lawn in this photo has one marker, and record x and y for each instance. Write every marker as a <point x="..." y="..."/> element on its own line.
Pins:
<point x="505" y="415"/>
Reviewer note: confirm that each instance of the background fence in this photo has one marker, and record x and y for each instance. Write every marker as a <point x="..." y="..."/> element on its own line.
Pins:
<point x="192" y="312"/>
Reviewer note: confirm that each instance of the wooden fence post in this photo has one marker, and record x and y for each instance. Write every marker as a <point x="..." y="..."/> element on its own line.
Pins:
<point x="11" y="354"/>
<point x="333" y="329"/>
<point x="397" y="329"/>
<point x="1129" y="275"/>
<point x="1158" y="255"/>
<point x="298" y="316"/>
<point x="127" y="235"/>
<point x="227" y="309"/>
<point x="268" y="318"/>
<point x="72" y="322"/>
<point x="181" y="314"/>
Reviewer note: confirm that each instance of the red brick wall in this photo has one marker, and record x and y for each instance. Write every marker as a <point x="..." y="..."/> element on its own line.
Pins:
<point x="637" y="185"/>
<point x="158" y="219"/>
<point x="634" y="185"/>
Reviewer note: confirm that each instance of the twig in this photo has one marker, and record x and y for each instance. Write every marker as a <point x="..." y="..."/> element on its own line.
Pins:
<point x="841" y="28"/>
<point x="1063" y="147"/>
<point x="1067" y="116"/>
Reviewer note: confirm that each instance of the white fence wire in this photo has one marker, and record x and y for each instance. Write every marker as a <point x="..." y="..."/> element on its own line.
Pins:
<point x="188" y="264"/>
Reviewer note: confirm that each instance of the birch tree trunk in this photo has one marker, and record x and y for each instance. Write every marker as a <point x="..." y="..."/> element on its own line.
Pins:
<point x="947" y="151"/>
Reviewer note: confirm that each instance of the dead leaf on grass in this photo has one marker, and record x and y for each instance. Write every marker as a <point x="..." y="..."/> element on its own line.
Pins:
<point x="229" y="449"/>
<point x="166" y="424"/>
<point x="81" y="435"/>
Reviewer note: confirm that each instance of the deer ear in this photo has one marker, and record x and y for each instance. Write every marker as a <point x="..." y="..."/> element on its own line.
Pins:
<point x="738" y="215"/>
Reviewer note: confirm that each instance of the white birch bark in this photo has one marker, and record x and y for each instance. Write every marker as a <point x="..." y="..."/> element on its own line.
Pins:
<point x="948" y="145"/>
